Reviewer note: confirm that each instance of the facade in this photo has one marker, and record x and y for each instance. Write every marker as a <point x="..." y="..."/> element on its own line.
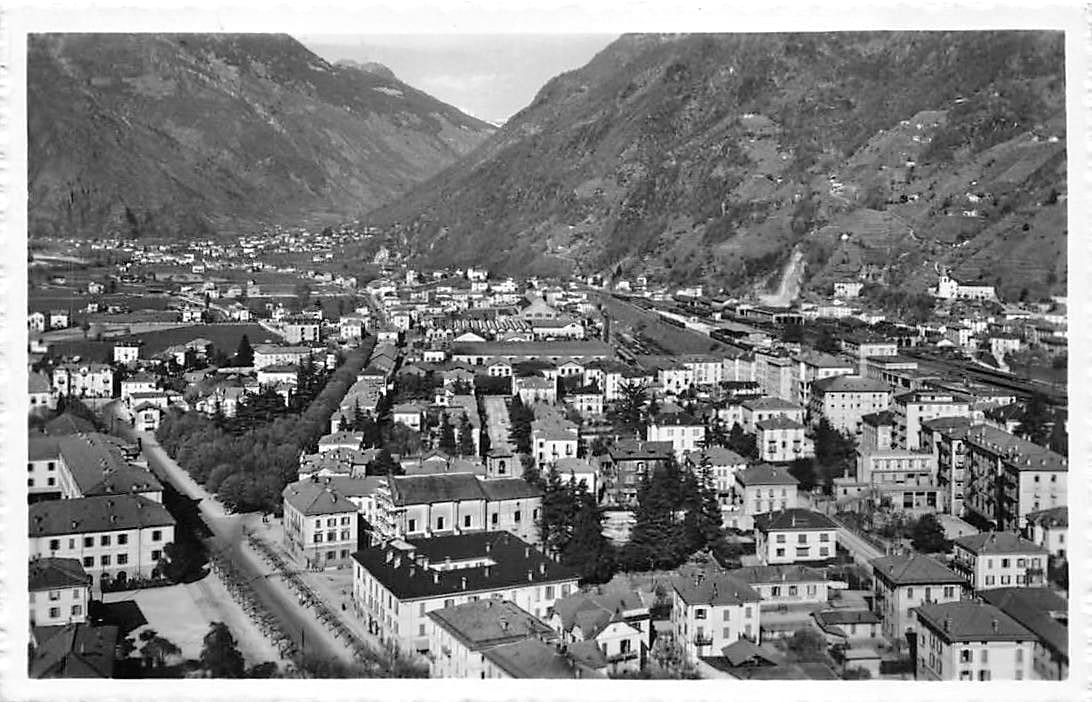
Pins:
<point x="685" y="433"/>
<point x="763" y="408"/>
<point x="114" y="537"/>
<point x="845" y="399"/>
<point x="794" y="535"/>
<point x="616" y="623"/>
<point x="459" y="635"/>
<point x="396" y="585"/>
<point x="320" y="523"/>
<point x="758" y="490"/>
<point x="553" y="438"/>
<point x="944" y="438"/>
<point x="626" y="461"/>
<point x="908" y="479"/>
<point x="971" y="640"/>
<point x="912" y="408"/>
<point x="815" y="366"/>
<point x="301" y="331"/>
<point x="60" y="591"/>
<point x="274" y="355"/>
<point x="903" y="582"/>
<point x="84" y="380"/>
<point x="780" y="585"/>
<point x="999" y="559"/>
<point x="711" y="610"/>
<point x="1045" y="614"/>
<point x="1049" y="528"/>
<point x="781" y="440"/>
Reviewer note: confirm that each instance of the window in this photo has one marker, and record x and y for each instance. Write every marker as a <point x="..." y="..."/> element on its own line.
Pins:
<point x="1034" y="562"/>
<point x="104" y="559"/>
<point x="123" y="539"/>
<point x="466" y="520"/>
<point x="949" y="591"/>
<point x="747" y="615"/>
<point x="824" y="551"/>
<point x="1006" y="579"/>
<point x="157" y="535"/>
<point x="699" y="613"/>
<point x="104" y="540"/>
<point x="983" y="675"/>
<point x="775" y="591"/>
<point x="1019" y="655"/>
<point x="1005" y="562"/>
<point x="439" y="523"/>
<point x="549" y="592"/>
<point x="331" y="522"/>
<point x="88" y="541"/>
<point x="515" y="516"/>
<point x="793" y="589"/>
<point x="156" y="554"/>
<point x="801" y="538"/>
<point x="802" y="551"/>
<point x="30" y="467"/>
<point x="54" y="612"/>
<point x="780" y="552"/>
<point x="318" y="538"/>
<point x="77" y="610"/>
<point x="123" y="559"/>
<point x="54" y="544"/>
<point x="824" y="537"/>
<point x="1021" y="562"/>
<point x="331" y="536"/>
<point x="54" y="595"/>
<point x="983" y="655"/>
<point x="30" y="482"/>
<point x="421" y="630"/>
<point x="727" y="616"/>
<point x="909" y="592"/>
<point x="88" y="561"/>
<point x="449" y="603"/>
<point x="412" y="525"/>
<point x="318" y="523"/>
<point x="494" y="518"/>
<point x="965" y="655"/>
<point x="780" y="538"/>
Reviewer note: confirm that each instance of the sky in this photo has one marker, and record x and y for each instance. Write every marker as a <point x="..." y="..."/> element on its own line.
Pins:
<point x="490" y="76"/>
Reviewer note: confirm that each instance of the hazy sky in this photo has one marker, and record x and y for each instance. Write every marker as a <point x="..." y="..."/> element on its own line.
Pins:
<point x="490" y="76"/>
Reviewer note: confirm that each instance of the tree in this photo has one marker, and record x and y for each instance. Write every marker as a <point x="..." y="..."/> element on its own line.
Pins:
<point x="835" y="453"/>
<point x="927" y="535"/>
<point x="1034" y="425"/>
<point x="384" y="464"/>
<point x="807" y="644"/>
<point x="157" y="650"/>
<point x="403" y="440"/>
<point x="465" y="446"/>
<point x="588" y="550"/>
<point x="558" y="511"/>
<point x="803" y="469"/>
<point x="741" y="442"/>
<point x="220" y="654"/>
<point x="630" y="406"/>
<point x="658" y="538"/>
<point x="792" y="333"/>
<point x="520" y="417"/>
<point x="447" y="435"/>
<point x="244" y="354"/>
<point x="826" y="343"/>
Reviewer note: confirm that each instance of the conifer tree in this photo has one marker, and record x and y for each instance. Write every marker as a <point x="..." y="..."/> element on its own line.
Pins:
<point x="447" y="435"/>
<point x="244" y="354"/>
<point x="588" y="550"/>
<point x="466" y="437"/>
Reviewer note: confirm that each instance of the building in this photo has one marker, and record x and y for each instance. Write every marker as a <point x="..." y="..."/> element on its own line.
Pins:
<point x="427" y="506"/>
<point x="552" y="438"/>
<point x="300" y="330"/>
<point x="531" y="658"/>
<point x="458" y="636"/>
<point x="763" y="408"/>
<point x="1049" y="528"/>
<point x="781" y="440"/>
<point x="274" y="355"/>
<point x="77" y="650"/>
<point x="912" y="408"/>
<point x="712" y="609"/>
<point x="971" y="640"/>
<point x="409" y="414"/>
<point x="812" y="366"/>
<point x="60" y="591"/>
<point x="618" y="623"/>
<point x="127" y="352"/>
<point x="84" y="380"/>
<point x="905" y="581"/>
<point x="396" y="584"/>
<point x="115" y="537"/>
<point x="948" y="288"/>
<point x="626" y="462"/>
<point x="758" y="490"/>
<point x="780" y="585"/>
<point x="844" y="399"/>
<point x="85" y="465"/>
<point x="999" y="559"/>
<point x="793" y="535"/>
<point x="41" y="394"/>
<point x="944" y="438"/>
<point x="685" y="433"/>
<point x="320" y="524"/>
<point x="481" y="352"/>
<point x="535" y="388"/>
<point x="1045" y="614"/>
<point x="908" y="479"/>
<point x="723" y="463"/>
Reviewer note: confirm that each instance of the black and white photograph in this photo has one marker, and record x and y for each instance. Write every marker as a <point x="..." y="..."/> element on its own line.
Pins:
<point x="725" y="351"/>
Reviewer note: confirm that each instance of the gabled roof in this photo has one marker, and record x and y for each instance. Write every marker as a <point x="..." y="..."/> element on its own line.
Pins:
<point x="779" y="574"/>
<point x="87" y="515"/>
<point x="428" y="489"/>
<point x="771" y="403"/>
<point x="793" y="519"/>
<point x="1053" y="517"/>
<point x="765" y="474"/>
<point x="972" y="620"/>
<point x="777" y="422"/>
<point x="715" y="588"/>
<point x="489" y="622"/>
<point x="885" y="418"/>
<point x="744" y="650"/>
<point x="592" y="612"/>
<point x="312" y="497"/>
<point x="998" y="542"/>
<point x="913" y="569"/>
<point x="54" y="573"/>
<point x="1041" y="610"/>
<point x="848" y="383"/>
<point x="532" y="658"/>
<point x="74" y="651"/>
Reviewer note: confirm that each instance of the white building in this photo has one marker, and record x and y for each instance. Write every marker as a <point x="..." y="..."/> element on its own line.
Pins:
<point x="712" y="609"/>
<point x="60" y="591"/>
<point x="794" y="535"/>
<point x="685" y="433"/>
<point x="971" y="640"/>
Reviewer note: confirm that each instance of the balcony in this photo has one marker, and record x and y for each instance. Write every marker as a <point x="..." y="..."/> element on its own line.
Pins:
<point x="627" y="656"/>
<point x="703" y="640"/>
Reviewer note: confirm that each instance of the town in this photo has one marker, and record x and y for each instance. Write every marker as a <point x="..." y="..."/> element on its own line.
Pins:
<point x="264" y="460"/>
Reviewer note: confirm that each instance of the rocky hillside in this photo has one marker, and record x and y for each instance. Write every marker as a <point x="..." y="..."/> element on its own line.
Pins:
<point x="177" y="135"/>
<point x="718" y="156"/>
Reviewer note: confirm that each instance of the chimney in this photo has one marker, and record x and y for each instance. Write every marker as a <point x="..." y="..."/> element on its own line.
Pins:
<point x="993" y="625"/>
<point x="530" y="576"/>
<point x="947" y="624"/>
<point x="487" y="571"/>
<point x="436" y="577"/>
<point x="390" y="556"/>
<point x="542" y="568"/>
<point x="526" y="551"/>
<point x="462" y="583"/>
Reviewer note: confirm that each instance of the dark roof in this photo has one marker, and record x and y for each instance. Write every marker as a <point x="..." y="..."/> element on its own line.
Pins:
<point x="67" y="423"/>
<point x="1041" y="610"/>
<point x="531" y="658"/>
<point x="74" y="651"/>
<point x="51" y="573"/>
<point x="1053" y="517"/>
<point x="488" y="622"/>
<point x="765" y="474"/>
<point x="531" y="348"/>
<point x="837" y="617"/>
<point x="952" y="427"/>
<point x="848" y="383"/>
<point x="713" y="588"/>
<point x="43" y="448"/>
<point x="496" y="489"/>
<point x="427" y="489"/>
<point x="744" y="650"/>
<point x="913" y="569"/>
<point x="793" y="519"/>
<point x="592" y="612"/>
<point x="637" y="450"/>
<point x="98" y="467"/>
<point x="771" y="403"/>
<point x="778" y="574"/>
<point x="313" y="497"/>
<point x="885" y="418"/>
<point x="778" y="421"/>
<point x="85" y="515"/>
<point x="998" y="542"/>
<point x="972" y="620"/>
<point x="515" y="562"/>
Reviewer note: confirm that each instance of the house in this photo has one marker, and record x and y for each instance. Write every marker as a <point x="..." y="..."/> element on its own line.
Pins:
<point x="847" y="626"/>
<point x="192" y="315"/>
<point x="763" y="408"/>
<point x="84" y="465"/>
<point x="902" y="582"/>
<point x="459" y="635"/>
<point x="1045" y="614"/>
<point x="36" y="322"/>
<point x="147" y="416"/>
<point x="58" y="319"/>
<point x="999" y="559"/>
<point x="781" y="440"/>
<point x="274" y="355"/>
<point x="553" y="437"/>
<point x="944" y="438"/>
<point x="60" y="591"/>
<point x="84" y="380"/>
<point x="115" y="537"/>
<point x="780" y="585"/>
<point x="759" y="489"/>
<point x="535" y="388"/>
<point x="41" y="394"/>
<point x="137" y="383"/>
<point x="626" y="462"/>
<point x="531" y="658"/>
<point x="276" y="374"/>
<point x="320" y="524"/>
<point x="911" y="409"/>
<point x="396" y="584"/>
<point x="844" y="399"/>
<point x="793" y="535"/>
<point x="127" y="352"/>
<point x="617" y="623"/>
<point x="971" y="640"/>
<point x="77" y="650"/>
<point x="352" y="327"/>
<point x="684" y="432"/>
<point x="300" y="330"/>
<point x="410" y="414"/>
<point x="711" y="609"/>
<point x="1049" y="529"/>
<point x="723" y="463"/>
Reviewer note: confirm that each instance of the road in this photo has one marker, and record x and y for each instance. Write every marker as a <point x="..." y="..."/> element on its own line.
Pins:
<point x="227" y="532"/>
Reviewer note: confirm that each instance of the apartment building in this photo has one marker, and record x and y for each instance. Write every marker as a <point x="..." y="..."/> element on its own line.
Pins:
<point x="781" y="440"/>
<point x="845" y="399"/>
<point x="1045" y="614"/>
<point x="971" y="640"/>
<point x="626" y="462"/>
<point x="685" y="433"/>
<point x="85" y="465"/>
<point x="459" y="635"/>
<point x="276" y="355"/>
<point x="60" y="591"/>
<point x="88" y="380"/>
<point x="320" y="523"/>
<point x="902" y="582"/>
<point x="1049" y="528"/>
<point x="396" y="584"/>
<point x="793" y="535"/>
<point x="944" y="438"/>
<point x="780" y="585"/>
<point x="301" y="330"/>
<point x="812" y="366"/>
<point x="115" y="537"/>
<point x="912" y="408"/>
<point x="553" y="437"/>
<point x="908" y="479"/>
<point x="711" y="609"/>
<point x="759" y="489"/>
<point x="999" y="559"/>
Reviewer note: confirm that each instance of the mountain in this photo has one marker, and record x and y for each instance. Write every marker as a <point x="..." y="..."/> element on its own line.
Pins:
<point x="178" y="135"/>
<point x="728" y="157"/>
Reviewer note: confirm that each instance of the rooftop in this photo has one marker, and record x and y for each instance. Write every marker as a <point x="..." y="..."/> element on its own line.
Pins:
<point x="885" y="418"/>
<point x="532" y="658"/>
<point x="771" y="403"/>
<point x="794" y="519"/>
<point x="913" y="569"/>
<point x="778" y="422"/>
<point x="714" y="588"/>
<point x="635" y="450"/>
<point x="998" y="542"/>
<point x="848" y="383"/>
<point x="1039" y="609"/>
<point x="1053" y="517"/>
<point x="488" y="622"/>
<point x="55" y="573"/>
<point x="972" y="620"/>
<point x="765" y="474"/>
<point x="87" y="515"/>
<point x="74" y="651"/>
<point x="317" y="496"/>
<point x="779" y="574"/>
